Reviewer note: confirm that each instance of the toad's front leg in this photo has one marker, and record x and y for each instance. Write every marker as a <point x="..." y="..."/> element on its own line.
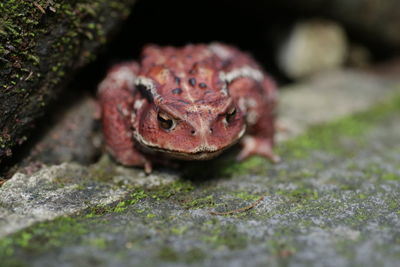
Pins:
<point x="258" y="101"/>
<point x="116" y="101"/>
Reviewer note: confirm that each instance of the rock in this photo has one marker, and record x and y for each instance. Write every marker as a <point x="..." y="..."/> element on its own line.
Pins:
<point x="301" y="106"/>
<point x="388" y="69"/>
<point x="359" y="56"/>
<point x="42" y="45"/>
<point x="332" y="201"/>
<point x="312" y="46"/>
<point x="70" y="135"/>
<point x="66" y="189"/>
<point x="49" y="193"/>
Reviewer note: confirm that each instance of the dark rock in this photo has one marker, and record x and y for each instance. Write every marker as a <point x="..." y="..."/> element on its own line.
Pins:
<point x="71" y="135"/>
<point x="42" y="45"/>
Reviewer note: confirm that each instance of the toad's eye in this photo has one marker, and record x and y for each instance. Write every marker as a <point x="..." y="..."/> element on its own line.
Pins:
<point x="230" y="115"/>
<point x="165" y="121"/>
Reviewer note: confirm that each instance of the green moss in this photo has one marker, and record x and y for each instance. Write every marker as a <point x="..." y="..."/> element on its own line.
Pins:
<point x="377" y="171"/>
<point x="253" y="165"/>
<point x="6" y="247"/>
<point x="199" y="203"/>
<point x="98" y="210"/>
<point x="393" y="204"/>
<point x="179" y="230"/>
<point x="24" y="239"/>
<point x="299" y="194"/>
<point x="191" y="256"/>
<point x="158" y="193"/>
<point x="41" y="237"/>
<point x="247" y="196"/>
<point x="359" y="218"/>
<point x="362" y="196"/>
<point x="100" y="243"/>
<point x="140" y="210"/>
<point x="169" y="190"/>
<point x="120" y="206"/>
<point x="35" y="59"/>
<point x="391" y="177"/>
<point x="137" y="195"/>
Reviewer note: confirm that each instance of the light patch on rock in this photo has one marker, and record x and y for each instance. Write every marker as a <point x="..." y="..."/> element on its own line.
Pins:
<point x="61" y="190"/>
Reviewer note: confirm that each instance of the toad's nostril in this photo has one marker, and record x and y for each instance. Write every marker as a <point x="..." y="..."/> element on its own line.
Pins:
<point x="211" y="130"/>
<point x="193" y="132"/>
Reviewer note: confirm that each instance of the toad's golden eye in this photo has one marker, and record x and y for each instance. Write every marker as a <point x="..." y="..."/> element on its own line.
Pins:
<point x="165" y="121"/>
<point x="230" y="115"/>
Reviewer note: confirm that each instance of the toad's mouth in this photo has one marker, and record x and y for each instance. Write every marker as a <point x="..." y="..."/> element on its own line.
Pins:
<point x="200" y="154"/>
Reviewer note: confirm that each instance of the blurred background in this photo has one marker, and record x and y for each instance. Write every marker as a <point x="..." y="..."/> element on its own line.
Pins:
<point x="285" y="36"/>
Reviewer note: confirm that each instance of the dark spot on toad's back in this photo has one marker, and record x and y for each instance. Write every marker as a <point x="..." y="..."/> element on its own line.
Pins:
<point x="202" y="85"/>
<point x="184" y="102"/>
<point x="192" y="81"/>
<point x="177" y="91"/>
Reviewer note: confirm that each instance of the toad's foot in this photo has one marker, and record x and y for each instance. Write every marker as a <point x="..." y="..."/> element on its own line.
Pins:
<point x="131" y="157"/>
<point x="257" y="146"/>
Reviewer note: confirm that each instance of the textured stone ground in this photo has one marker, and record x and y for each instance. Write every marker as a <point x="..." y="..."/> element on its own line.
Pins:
<point x="332" y="201"/>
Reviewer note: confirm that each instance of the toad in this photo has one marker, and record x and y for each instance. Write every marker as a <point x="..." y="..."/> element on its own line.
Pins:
<point x="187" y="103"/>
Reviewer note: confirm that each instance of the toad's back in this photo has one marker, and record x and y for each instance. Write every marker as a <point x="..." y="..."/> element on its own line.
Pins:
<point x="190" y="74"/>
